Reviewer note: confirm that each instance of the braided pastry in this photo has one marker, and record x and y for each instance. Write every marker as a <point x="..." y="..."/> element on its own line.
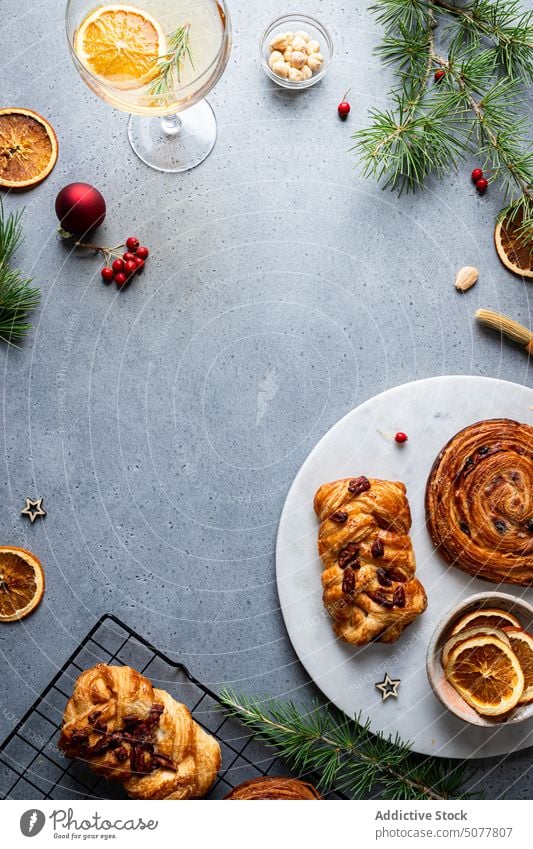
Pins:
<point x="370" y="590"/>
<point x="130" y="732"/>
<point x="479" y="501"/>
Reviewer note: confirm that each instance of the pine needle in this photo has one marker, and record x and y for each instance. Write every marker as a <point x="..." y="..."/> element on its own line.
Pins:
<point x="343" y="753"/>
<point x="171" y="64"/>
<point x="17" y="298"/>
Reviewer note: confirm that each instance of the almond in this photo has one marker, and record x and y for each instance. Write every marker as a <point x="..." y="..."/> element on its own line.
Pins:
<point x="466" y="278"/>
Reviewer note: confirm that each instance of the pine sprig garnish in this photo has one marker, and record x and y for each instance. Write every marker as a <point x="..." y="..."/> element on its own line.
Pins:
<point x="17" y="298"/>
<point x="486" y="52"/>
<point x="343" y="753"/>
<point x="170" y="65"/>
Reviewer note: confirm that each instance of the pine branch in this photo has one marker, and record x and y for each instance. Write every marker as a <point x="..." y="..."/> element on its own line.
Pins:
<point x="17" y="298"/>
<point x="171" y="64"/>
<point x="344" y="754"/>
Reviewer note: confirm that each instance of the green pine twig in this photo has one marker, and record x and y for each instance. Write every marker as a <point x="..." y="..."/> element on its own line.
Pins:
<point x="17" y="298"/>
<point x="344" y="754"/>
<point x="171" y="64"/>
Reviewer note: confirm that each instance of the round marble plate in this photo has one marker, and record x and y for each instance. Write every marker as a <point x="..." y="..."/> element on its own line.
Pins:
<point x="430" y="412"/>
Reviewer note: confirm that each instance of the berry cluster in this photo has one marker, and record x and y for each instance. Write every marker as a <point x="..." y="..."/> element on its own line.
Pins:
<point x="132" y="262"/>
<point x="479" y="180"/>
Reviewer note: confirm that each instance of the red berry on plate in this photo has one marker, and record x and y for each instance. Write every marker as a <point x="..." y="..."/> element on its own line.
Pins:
<point x="130" y="267"/>
<point x="139" y="263"/>
<point x="107" y="274"/>
<point x="482" y="185"/>
<point x="476" y="174"/>
<point x="401" y="437"/>
<point x="142" y="252"/>
<point x="439" y="75"/>
<point x="120" y="279"/>
<point x="132" y="243"/>
<point x="118" y="266"/>
<point x="128" y="256"/>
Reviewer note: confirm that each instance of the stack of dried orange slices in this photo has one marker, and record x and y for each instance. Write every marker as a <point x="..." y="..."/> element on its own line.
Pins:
<point x="488" y="659"/>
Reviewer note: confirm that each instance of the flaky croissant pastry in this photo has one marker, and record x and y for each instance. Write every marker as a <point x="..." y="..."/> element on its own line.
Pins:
<point x="479" y="501"/>
<point x="370" y="590"/>
<point x="285" y="789"/>
<point x="141" y="737"/>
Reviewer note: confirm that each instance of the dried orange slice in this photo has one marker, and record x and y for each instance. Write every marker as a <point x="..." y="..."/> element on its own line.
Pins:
<point x="21" y="583"/>
<point x="121" y="45"/>
<point x="462" y="636"/>
<point x="28" y="148"/>
<point x="517" y="257"/>
<point x="492" y="617"/>
<point x="486" y="673"/>
<point x="522" y="645"/>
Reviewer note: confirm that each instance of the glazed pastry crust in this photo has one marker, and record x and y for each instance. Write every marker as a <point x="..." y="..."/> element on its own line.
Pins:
<point x="114" y="697"/>
<point x="377" y="594"/>
<point x="479" y="501"/>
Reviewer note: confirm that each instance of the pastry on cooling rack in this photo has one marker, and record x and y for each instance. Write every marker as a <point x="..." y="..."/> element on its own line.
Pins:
<point x="479" y="501"/>
<point x="284" y="789"/>
<point x="369" y="583"/>
<point x="129" y="732"/>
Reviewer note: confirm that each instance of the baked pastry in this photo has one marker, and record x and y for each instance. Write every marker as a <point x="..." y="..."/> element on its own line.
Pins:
<point x="370" y="589"/>
<point x="285" y="789"/>
<point x="479" y="501"/>
<point x="141" y="737"/>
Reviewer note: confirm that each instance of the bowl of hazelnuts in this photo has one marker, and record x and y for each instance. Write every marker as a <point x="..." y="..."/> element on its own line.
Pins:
<point x="296" y="51"/>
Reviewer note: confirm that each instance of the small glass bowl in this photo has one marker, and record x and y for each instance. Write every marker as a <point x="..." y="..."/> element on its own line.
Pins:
<point x="293" y="23"/>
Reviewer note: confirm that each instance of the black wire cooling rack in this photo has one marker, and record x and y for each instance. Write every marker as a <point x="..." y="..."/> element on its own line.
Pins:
<point x="33" y="767"/>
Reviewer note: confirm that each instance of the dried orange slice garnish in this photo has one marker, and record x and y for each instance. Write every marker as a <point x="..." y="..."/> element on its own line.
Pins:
<point x="121" y="45"/>
<point x="28" y="148"/>
<point x="517" y="257"/>
<point x="462" y="636"/>
<point x="492" y="617"/>
<point x="486" y="673"/>
<point x="21" y="583"/>
<point x="522" y="645"/>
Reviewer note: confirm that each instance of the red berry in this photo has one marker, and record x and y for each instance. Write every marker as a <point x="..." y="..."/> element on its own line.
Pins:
<point x="118" y="266"/>
<point x="439" y="75"/>
<point x="142" y="252"/>
<point x="107" y="274"/>
<point x="130" y="267"/>
<point x="344" y="109"/>
<point x="476" y="174"/>
<point x="401" y="437"/>
<point x="482" y="185"/>
<point x="128" y="256"/>
<point x="139" y="263"/>
<point x="120" y="279"/>
<point x="132" y="243"/>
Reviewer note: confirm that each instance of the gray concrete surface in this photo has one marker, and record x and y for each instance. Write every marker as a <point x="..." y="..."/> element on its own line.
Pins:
<point x="164" y="425"/>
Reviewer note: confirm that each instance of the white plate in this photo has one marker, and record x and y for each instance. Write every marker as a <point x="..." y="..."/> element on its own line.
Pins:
<point x="430" y="412"/>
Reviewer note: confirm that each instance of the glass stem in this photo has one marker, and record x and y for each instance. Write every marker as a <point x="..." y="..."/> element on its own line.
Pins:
<point x="171" y="125"/>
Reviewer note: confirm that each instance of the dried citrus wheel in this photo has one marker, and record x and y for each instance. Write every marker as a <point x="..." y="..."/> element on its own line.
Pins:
<point x="515" y="256"/>
<point x="522" y="645"/>
<point x="28" y="148"/>
<point x="490" y="616"/>
<point x="121" y="45"/>
<point x="462" y="636"/>
<point x="21" y="583"/>
<point x="486" y="673"/>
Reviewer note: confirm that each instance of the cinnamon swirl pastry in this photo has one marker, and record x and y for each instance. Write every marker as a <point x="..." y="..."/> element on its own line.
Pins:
<point x="370" y="589"/>
<point x="479" y="501"/>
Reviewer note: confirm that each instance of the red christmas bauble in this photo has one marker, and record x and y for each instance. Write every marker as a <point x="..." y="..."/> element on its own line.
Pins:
<point x="80" y="208"/>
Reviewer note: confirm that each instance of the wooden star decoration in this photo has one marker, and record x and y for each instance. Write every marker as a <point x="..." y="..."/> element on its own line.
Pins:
<point x="389" y="687"/>
<point x="34" y="509"/>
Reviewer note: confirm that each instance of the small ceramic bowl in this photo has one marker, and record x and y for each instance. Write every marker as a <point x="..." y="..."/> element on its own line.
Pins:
<point x="293" y="23"/>
<point x="444" y="691"/>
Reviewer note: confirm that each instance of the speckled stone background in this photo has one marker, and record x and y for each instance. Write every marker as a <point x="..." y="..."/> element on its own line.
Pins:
<point x="164" y="425"/>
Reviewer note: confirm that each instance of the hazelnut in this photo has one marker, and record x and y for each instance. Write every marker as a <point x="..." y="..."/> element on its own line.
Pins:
<point x="279" y="42"/>
<point x="275" y="56"/>
<point x="299" y="43"/>
<point x="307" y="72"/>
<point x="295" y="75"/>
<point x="288" y="53"/>
<point x="298" y="59"/>
<point x="301" y="34"/>
<point x="312" y="47"/>
<point x="315" y="62"/>
<point x="282" y="69"/>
